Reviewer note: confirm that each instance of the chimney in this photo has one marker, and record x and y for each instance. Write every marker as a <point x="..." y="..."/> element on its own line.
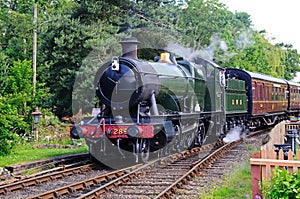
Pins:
<point x="129" y="47"/>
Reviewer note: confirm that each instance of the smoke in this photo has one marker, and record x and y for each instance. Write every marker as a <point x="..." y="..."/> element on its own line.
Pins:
<point x="207" y="52"/>
<point x="217" y="44"/>
<point x="244" y="40"/>
<point x="233" y="135"/>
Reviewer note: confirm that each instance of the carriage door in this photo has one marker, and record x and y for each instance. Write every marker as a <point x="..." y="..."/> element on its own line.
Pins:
<point x="255" y="97"/>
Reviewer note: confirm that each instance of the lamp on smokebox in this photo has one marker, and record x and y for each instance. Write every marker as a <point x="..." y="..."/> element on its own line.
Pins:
<point x="36" y="118"/>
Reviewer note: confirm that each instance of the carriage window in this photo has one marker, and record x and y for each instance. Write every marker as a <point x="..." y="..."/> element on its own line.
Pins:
<point x="261" y="92"/>
<point x="254" y="91"/>
<point x="279" y="93"/>
<point x="269" y="91"/>
<point x="285" y="94"/>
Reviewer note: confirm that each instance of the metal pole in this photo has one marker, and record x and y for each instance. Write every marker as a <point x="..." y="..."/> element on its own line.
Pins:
<point x="36" y="133"/>
<point x="33" y="136"/>
<point x="34" y="46"/>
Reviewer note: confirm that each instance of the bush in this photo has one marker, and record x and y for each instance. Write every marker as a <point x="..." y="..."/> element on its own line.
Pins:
<point x="283" y="185"/>
<point x="7" y="141"/>
<point x="12" y="124"/>
<point x="17" y="103"/>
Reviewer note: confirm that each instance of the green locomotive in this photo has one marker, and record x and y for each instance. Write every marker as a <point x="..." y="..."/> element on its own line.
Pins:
<point x="161" y="107"/>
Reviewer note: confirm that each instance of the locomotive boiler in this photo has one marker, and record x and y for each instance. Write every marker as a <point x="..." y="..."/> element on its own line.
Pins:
<point x="161" y="106"/>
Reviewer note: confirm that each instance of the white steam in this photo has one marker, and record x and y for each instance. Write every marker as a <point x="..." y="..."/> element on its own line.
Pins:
<point x="233" y="135"/>
<point x="208" y="52"/>
<point x="244" y="40"/>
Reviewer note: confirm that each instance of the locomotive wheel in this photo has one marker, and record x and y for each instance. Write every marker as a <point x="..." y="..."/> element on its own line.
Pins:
<point x="144" y="149"/>
<point x="201" y="134"/>
<point x="178" y="143"/>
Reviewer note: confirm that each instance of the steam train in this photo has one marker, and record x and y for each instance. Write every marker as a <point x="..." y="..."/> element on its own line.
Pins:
<point x="172" y="104"/>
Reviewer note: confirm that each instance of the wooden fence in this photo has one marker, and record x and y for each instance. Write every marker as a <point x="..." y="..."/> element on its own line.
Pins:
<point x="264" y="162"/>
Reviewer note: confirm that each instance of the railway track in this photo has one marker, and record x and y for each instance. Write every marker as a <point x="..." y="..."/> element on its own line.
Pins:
<point x="36" y="168"/>
<point x="115" y="178"/>
<point x="161" y="178"/>
<point x="18" y="169"/>
<point x="214" y="176"/>
<point x="35" y="180"/>
<point x="103" y="184"/>
<point x="167" y="178"/>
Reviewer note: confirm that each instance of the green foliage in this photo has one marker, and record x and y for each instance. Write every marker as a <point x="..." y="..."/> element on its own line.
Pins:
<point x="16" y="30"/>
<point x="290" y="59"/>
<point x="16" y="102"/>
<point x="19" y="79"/>
<point x="7" y="140"/>
<point x="283" y="185"/>
<point x="203" y="19"/>
<point x="68" y="38"/>
<point x="3" y="72"/>
<point x="14" y="109"/>
<point x="10" y="123"/>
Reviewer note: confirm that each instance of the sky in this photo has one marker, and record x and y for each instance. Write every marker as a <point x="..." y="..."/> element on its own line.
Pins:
<point x="280" y="18"/>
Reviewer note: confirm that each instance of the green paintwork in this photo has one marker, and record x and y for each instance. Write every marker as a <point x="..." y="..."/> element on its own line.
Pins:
<point x="213" y="92"/>
<point x="174" y="79"/>
<point x="235" y="97"/>
<point x="178" y="84"/>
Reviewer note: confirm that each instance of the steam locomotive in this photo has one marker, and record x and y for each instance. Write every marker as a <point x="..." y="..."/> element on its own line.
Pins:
<point x="169" y="105"/>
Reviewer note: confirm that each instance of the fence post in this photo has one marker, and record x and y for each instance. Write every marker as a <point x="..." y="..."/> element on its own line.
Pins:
<point x="255" y="177"/>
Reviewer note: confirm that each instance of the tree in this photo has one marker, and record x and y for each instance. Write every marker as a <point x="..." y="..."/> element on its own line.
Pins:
<point x="16" y="30"/>
<point x="15" y="109"/>
<point x="68" y="38"/>
<point x="290" y="59"/>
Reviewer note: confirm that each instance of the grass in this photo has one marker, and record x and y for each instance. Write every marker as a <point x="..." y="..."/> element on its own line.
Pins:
<point x="25" y="153"/>
<point x="236" y="185"/>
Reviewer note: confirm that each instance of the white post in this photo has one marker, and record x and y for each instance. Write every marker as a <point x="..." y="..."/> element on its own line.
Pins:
<point x="34" y="46"/>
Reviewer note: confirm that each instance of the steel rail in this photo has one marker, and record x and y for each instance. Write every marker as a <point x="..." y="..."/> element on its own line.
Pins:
<point x="102" y="179"/>
<point x="40" y="179"/>
<point x="202" y="164"/>
<point x="196" y="169"/>
<point x="122" y="180"/>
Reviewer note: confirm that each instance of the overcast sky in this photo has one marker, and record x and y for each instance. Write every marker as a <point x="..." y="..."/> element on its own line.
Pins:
<point x="279" y="18"/>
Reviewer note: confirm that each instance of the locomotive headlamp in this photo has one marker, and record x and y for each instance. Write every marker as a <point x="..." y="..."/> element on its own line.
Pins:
<point x="133" y="131"/>
<point x="115" y="64"/>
